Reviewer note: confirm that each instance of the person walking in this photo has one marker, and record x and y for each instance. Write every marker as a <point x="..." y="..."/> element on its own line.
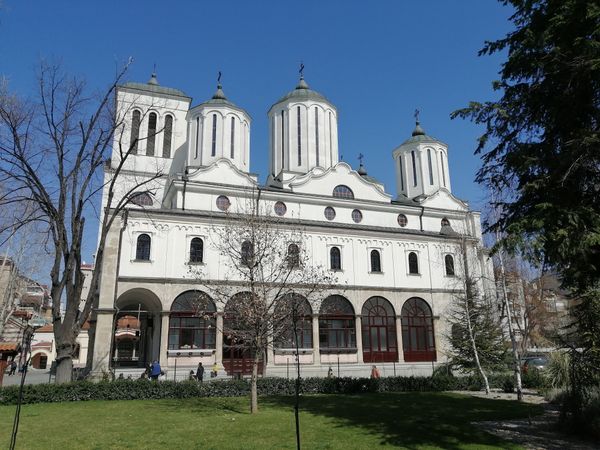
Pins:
<point x="13" y="368"/>
<point x="215" y="370"/>
<point x="375" y="372"/>
<point x="155" y="370"/>
<point x="200" y="373"/>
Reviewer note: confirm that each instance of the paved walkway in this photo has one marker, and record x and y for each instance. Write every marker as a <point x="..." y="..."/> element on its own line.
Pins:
<point x="535" y="433"/>
<point x="33" y="377"/>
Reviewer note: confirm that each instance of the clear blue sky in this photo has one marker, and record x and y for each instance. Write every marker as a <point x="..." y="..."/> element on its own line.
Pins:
<point x="375" y="60"/>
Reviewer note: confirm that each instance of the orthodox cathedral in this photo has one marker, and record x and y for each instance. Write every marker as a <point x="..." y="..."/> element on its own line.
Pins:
<point x="398" y="259"/>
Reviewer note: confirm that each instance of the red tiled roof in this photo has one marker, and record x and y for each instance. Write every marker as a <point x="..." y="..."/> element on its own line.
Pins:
<point x="45" y="329"/>
<point x="9" y="346"/>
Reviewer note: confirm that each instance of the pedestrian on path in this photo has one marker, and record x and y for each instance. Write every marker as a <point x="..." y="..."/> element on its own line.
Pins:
<point x="200" y="373"/>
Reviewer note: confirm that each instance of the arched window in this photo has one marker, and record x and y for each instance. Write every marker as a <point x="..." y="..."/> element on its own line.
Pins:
<point x="213" y="150"/>
<point x="337" y="329"/>
<point x="317" y="133"/>
<point x="299" y="137"/>
<point x="168" y="136"/>
<point x="343" y="191"/>
<point x="417" y="331"/>
<point x="430" y="166"/>
<point x="232" y="137"/>
<point x="282" y="138"/>
<point x="142" y="251"/>
<point x="196" y="250"/>
<point x="192" y="322"/>
<point x="141" y="199"/>
<point x="335" y="258"/>
<point x="413" y="263"/>
<point x="414" y="167"/>
<point x="293" y="256"/>
<point x="136" y="119"/>
<point x="247" y="253"/>
<point x="289" y="309"/>
<point x="445" y="222"/>
<point x="379" y="331"/>
<point x="401" y="172"/>
<point x="449" y="263"/>
<point x="150" y="143"/>
<point x="443" y="170"/>
<point x="375" y="261"/>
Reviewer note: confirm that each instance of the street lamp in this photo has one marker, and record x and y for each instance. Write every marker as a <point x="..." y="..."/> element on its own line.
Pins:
<point x="27" y="337"/>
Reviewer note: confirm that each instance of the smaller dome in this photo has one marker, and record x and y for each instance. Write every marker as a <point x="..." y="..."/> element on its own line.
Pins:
<point x="361" y="170"/>
<point x="419" y="135"/>
<point x="219" y="95"/>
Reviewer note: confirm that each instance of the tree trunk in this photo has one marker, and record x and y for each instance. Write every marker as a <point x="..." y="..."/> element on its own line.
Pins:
<point x="511" y="332"/>
<point x="64" y="370"/>
<point x="253" y="385"/>
<point x="475" y="352"/>
<point x="64" y="362"/>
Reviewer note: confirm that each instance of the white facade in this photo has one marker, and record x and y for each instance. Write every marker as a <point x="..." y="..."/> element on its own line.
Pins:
<point x="421" y="226"/>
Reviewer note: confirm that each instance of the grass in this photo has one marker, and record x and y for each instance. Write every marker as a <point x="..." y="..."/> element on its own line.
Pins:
<point x="409" y="420"/>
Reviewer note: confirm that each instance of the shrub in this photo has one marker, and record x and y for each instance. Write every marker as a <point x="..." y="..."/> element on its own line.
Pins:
<point x="146" y="389"/>
<point x="557" y="369"/>
<point x="534" y="379"/>
<point x="508" y="386"/>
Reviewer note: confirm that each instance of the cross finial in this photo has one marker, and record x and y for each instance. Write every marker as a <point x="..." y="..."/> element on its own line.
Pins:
<point x="219" y="77"/>
<point x="360" y="158"/>
<point x="154" y="68"/>
<point x="417" y="112"/>
<point x="301" y="69"/>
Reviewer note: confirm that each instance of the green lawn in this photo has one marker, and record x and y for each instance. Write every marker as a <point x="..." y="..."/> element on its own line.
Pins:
<point x="410" y="420"/>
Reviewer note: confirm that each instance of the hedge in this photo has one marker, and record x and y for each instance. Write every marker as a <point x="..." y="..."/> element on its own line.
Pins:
<point x="146" y="389"/>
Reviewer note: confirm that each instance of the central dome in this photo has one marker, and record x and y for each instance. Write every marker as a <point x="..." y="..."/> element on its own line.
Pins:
<point x="303" y="133"/>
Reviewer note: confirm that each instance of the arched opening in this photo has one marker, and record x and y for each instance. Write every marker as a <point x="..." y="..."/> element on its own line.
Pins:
<point x="337" y="328"/>
<point x="151" y="140"/>
<point x="449" y="263"/>
<point x="413" y="263"/>
<point x="136" y="120"/>
<point x="335" y="258"/>
<point x="375" y="261"/>
<point x="142" y="250"/>
<point x="192" y="322"/>
<point x="379" y="331"/>
<point x="293" y="256"/>
<point x="343" y="191"/>
<point x="137" y="326"/>
<point x="293" y="308"/>
<point x="238" y="351"/>
<point x="39" y="361"/>
<point x="168" y="136"/>
<point x="196" y="250"/>
<point x="418" y="341"/>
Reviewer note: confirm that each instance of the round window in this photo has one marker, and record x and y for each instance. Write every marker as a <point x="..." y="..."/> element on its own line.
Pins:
<point x="357" y="216"/>
<point x="223" y="203"/>
<point x="402" y="220"/>
<point x="280" y="208"/>
<point x="329" y="213"/>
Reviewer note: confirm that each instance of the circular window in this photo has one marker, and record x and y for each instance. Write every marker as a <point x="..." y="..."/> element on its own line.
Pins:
<point x="223" y="203"/>
<point x="280" y="208"/>
<point x="329" y="213"/>
<point x="357" y="216"/>
<point x="445" y="222"/>
<point x="402" y="220"/>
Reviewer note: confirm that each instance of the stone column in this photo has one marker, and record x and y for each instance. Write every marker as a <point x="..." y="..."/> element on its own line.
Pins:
<point x="399" y="339"/>
<point x="315" y="339"/>
<point x="219" y="341"/>
<point x="358" y="324"/>
<point x="102" y="343"/>
<point x="163" y="316"/>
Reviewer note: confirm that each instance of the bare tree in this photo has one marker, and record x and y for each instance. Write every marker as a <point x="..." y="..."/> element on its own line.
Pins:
<point x="53" y="150"/>
<point x="475" y="336"/>
<point x="269" y="284"/>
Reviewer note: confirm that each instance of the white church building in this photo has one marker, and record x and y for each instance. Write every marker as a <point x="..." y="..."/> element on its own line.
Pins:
<point x="397" y="258"/>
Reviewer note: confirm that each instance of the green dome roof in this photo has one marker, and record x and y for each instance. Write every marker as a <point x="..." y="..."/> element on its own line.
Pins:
<point x="302" y="92"/>
<point x="418" y="135"/>
<point x="153" y="87"/>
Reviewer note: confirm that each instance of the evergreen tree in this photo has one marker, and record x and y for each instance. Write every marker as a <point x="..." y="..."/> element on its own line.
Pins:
<point x="541" y="145"/>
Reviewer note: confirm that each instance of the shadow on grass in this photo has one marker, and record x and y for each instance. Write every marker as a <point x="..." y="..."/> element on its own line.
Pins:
<point x="413" y="419"/>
